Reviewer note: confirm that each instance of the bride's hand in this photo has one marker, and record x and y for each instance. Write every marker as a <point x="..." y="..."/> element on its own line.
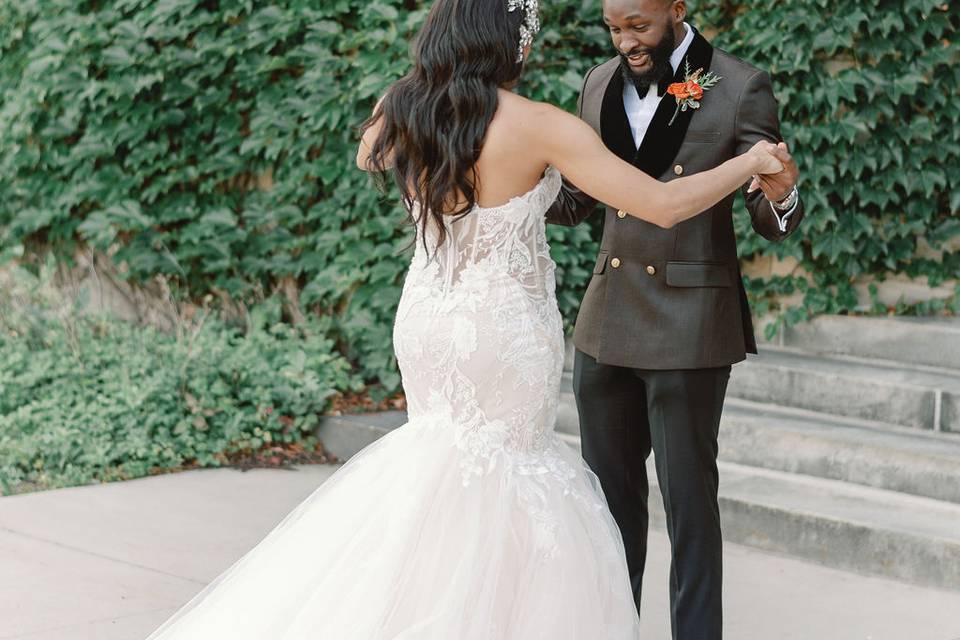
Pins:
<point x="766" y="162"/>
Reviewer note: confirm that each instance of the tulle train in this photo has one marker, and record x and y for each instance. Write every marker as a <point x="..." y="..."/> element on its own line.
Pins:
<point x="399" y="544"/>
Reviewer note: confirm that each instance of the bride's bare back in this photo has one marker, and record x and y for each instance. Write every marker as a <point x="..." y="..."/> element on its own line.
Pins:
<point x="506" y="166"/>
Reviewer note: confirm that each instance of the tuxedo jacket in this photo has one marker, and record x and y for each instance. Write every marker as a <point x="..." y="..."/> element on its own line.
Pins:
<point x="674" y="298"/>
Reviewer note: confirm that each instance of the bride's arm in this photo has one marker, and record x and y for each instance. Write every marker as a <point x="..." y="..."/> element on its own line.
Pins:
<point x="369" y="137"/>
<point x="574" y="148"/>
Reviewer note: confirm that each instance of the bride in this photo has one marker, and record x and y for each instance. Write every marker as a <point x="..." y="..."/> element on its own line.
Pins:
<point x="473" y="521"/>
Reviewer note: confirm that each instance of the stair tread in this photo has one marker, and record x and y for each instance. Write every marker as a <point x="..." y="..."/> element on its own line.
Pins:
<point x="868" y="507"/>
<point x="838" y="500"/>
<point x="925" y="342"/>
<point x="939" y="324"/>
<point x="881" y="372"/>
<point x="846" y="430"/>
<point x="853" y="450"/>
<point x="874" y="371"/>
<point x="917" y="323"/>
<point x="852" y="431"/>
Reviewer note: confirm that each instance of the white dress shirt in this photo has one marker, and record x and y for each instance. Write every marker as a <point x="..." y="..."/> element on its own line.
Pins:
<point x="640" y="112"/>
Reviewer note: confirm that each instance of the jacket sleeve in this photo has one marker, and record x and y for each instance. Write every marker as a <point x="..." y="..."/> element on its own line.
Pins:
<point x="572" y="206"/>
<point x="757" y="120"/>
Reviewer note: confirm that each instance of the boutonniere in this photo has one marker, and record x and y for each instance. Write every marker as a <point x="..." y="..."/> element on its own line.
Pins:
<point x="689" y="92"/>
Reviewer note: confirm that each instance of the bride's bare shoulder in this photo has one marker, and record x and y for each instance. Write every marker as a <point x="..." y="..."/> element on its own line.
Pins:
<point x="518" y="106"/>
<point x="530" y="118"/>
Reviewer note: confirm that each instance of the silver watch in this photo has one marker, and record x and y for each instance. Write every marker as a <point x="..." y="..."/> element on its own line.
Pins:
<point x="788" y="202"/>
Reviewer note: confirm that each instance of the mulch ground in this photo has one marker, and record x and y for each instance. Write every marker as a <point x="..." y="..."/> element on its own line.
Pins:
<point x="284" y="456"/>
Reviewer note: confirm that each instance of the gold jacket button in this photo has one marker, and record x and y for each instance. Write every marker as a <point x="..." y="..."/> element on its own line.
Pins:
<point x="652" y="270"/>
<point x="621" y="214"/>
<point x="678" y="169"/>
<point x="615" y="263"/>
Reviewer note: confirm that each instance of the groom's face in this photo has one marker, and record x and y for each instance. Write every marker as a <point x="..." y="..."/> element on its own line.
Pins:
<point x="645" y="33"/>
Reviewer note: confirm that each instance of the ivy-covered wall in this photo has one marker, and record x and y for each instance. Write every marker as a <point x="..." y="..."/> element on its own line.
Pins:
<point x="869" y="101"/>
<point x="213" y="142"/>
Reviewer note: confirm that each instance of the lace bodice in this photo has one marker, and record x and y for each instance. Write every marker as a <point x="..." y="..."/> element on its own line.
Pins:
<point x="506" y="241"/>
<point x="478" y="335"/>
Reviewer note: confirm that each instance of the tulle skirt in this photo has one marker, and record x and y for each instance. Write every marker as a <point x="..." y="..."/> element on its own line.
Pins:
<point x="406" y="542"/>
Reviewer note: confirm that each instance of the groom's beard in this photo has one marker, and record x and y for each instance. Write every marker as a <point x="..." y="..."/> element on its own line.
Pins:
<point x="660" y="67"/>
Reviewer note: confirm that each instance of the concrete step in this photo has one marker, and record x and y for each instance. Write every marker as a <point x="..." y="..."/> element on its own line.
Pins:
<point x="770" y="437"/>
<point x="920" y="341"/>
<point x="797" y="441"/>
<point x="903" y="394"/>
<point x="892" y="393"/>
<point x="896" y="370"/>
<point x="933" y="342"/>
<point x="838" y="524"/>
<point x="343" y="436"/>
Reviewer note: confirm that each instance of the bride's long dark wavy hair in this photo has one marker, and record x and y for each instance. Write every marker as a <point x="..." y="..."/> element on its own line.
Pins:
<point x="435" y="118"/>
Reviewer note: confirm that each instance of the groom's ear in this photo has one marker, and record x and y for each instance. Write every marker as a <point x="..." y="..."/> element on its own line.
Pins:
<point x="678" y="10"/>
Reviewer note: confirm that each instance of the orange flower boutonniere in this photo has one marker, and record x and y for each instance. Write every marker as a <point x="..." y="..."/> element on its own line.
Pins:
<point x="690" y="92"/>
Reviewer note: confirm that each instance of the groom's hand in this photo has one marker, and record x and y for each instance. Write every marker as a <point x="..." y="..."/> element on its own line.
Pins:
<point x="778" y="186"/>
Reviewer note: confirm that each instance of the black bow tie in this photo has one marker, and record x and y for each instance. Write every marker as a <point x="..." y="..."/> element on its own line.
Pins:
<point x="666" y="81"/>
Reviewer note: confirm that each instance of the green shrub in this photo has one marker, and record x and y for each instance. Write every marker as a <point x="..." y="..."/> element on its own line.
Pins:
<point x="86" y="398"/>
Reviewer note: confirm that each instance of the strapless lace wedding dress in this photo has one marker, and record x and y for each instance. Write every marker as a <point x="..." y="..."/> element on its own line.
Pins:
<point x="473" y="521"/>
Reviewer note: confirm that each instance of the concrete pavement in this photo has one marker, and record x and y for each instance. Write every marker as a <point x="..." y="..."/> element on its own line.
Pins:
<point x="111" y="562"/>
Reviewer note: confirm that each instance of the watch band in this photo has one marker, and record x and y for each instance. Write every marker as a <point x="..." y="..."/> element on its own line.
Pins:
<point x="787" y="203"/>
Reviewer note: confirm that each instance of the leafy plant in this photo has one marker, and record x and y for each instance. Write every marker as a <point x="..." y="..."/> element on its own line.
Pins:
<point x="85" y="397"/>
<point x="869" y="104"/>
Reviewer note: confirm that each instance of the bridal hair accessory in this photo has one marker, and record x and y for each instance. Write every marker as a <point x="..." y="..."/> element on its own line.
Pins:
<point x="690" y="92"/>
<point x="531" y="22"/>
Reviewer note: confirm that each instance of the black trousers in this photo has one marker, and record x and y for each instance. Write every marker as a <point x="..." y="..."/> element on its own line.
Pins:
<point x="624" y="414"/>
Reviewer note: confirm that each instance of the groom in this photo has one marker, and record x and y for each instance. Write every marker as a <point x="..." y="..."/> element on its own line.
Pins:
<point x="665" y="314"/>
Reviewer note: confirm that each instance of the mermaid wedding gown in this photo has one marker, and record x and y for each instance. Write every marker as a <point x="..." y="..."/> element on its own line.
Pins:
<point x="473" y="521"/>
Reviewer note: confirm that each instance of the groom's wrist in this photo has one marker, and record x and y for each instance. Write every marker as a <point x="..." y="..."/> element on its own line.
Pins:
<point x="783" y="209"/>
<point x="788" y="201"/>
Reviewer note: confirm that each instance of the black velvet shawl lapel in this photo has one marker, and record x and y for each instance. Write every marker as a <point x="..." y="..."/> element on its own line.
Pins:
<point x="663" y="140"/>
<point x="614" y="125"/>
